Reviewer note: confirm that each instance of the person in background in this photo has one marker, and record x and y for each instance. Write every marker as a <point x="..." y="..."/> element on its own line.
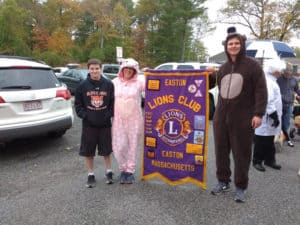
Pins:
<point x="264" y="147"/>
<point x="288" y="87"/>
<point x="296" y="111"/>
<point x="127" y="124"/>
<point x="241" y="104"/>
<point x="94" y="102"/>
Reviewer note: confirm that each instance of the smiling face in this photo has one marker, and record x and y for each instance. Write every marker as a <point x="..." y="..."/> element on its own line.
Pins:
<point x="95" y="71"/>
<point x="128" y="73"/>
<point x="233" y="47"/>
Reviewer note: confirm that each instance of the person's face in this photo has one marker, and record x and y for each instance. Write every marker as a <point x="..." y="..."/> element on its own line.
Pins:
<point x="95" y="71"/>
<point x="277" y="74"/>
<point x="128" y="73"/>
<point x="287" y="75"/>
<point x="233" y="46"/>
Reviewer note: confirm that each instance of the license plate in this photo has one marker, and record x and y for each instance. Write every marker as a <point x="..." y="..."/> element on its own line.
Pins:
<point x="33" y="105"/>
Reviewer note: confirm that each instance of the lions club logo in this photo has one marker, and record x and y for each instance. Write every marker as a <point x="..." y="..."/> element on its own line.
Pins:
<point x="173" y="127"/>
<point x="96" y="100"/>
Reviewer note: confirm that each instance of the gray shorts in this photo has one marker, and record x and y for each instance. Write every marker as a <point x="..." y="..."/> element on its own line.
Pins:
<point x="93" y="137"/>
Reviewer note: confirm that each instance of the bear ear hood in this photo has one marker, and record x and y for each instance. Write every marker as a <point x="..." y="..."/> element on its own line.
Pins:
<point x="129" y="63"/>
<point x="231" y="32"/>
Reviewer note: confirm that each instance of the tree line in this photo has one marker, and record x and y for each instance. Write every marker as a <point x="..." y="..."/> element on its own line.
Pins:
<point x="151" y="31"/>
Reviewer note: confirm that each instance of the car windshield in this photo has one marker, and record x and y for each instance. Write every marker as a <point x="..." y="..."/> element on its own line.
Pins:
<point x="111" y="69"/>
<point x="76" y="73"/>
<point x="83" y="73"/>
<point x="23" y="78"/>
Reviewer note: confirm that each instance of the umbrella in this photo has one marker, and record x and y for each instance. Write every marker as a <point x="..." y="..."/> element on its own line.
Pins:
<point x="269" y="49"/>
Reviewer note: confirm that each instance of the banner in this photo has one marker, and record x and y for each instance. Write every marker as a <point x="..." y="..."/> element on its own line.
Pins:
<point x="176" y="124"/>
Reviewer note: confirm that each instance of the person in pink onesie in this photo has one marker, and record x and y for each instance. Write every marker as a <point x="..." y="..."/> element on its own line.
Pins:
<point x="127" y="123"/>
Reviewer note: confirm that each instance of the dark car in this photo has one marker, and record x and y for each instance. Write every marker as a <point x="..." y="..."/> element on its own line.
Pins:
<point x="72" y="78"/>
<point x="111" y="70"/>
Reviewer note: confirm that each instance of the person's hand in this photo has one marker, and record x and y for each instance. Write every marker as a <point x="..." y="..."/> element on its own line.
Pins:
<point x="256" y="122"/>
<point x="210" y="69"/>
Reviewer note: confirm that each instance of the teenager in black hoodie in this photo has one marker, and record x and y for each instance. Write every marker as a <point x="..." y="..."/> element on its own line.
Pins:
<point x="94" y="101"/>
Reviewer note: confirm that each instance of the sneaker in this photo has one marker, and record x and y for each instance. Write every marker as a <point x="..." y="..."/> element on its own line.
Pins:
<point x="91" y="181"/>
<point x="299" y="172"/>
<point x="239" y="195"/>
<point x="259" y="167"/>
<point x="273" y="165"/>
<point x="219" y="188"/>
<point x="123" y="177"/>
<point x="130" y="178"/>
<point x="109" y="177"/>
<point x="291" y="144"/>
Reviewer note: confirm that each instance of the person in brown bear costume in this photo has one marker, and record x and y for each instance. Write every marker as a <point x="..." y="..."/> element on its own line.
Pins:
<point x="241" y="104"/>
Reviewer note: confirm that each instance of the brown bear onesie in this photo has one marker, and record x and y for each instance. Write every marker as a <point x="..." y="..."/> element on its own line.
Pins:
<point x="243" y="95"/>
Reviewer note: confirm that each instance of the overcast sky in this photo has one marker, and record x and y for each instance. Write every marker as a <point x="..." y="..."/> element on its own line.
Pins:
<point x="213" y="42"/>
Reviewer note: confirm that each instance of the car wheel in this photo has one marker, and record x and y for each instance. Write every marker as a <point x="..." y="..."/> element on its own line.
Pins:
<point x="211" y="106"/>
<point x="57" y="134"/>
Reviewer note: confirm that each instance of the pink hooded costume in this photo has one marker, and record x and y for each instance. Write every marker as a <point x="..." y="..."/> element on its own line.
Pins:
<point x="127" y="124"/>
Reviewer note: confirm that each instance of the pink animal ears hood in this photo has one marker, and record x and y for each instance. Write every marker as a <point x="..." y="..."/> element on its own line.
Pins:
<point x="129" y="63"/>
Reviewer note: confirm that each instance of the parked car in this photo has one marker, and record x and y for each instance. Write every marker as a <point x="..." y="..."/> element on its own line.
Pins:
<point x="73" y="65"/>
<point x="111" y="70"/>
<point x="72" y="78"/>
<point x="186" y="66"/>
<point x="213" y="93"/>
<point x="32" y="100"/>
<point x="178" y="66"/>
<point x="59" y="70"/>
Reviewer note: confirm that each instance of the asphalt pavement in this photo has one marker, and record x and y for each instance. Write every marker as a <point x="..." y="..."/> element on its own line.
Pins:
<point x="42" y="182"/>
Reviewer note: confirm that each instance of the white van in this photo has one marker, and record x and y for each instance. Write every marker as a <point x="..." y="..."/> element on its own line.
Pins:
<point x="213" y="93"/>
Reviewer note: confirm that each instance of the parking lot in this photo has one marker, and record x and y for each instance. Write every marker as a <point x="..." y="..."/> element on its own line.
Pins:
<point x="42" y="181"/>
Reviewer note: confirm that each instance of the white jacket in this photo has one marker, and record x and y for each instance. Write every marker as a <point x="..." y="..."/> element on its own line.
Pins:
<point x="274" y="104"/>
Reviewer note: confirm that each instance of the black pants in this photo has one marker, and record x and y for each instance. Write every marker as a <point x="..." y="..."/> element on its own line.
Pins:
<point x="264" y="149"/>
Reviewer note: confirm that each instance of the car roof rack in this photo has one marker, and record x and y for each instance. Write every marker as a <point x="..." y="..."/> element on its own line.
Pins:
<point x="22" y="57"/>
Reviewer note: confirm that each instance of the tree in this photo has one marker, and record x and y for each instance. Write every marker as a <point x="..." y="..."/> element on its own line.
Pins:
<point x="266" y="19"/>
<point x="60" y="42"/>
<point x="61" y="14"/>
<point x="122" y="24"/>
<point x="169" y="25"/>
<point x="15" y="35"/>
<point x="40" y="39"/>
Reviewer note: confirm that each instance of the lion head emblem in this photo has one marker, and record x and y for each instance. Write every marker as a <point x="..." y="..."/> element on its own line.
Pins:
<point x="97" y="101"/>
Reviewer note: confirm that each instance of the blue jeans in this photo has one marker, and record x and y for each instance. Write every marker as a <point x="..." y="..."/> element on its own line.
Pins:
<point x="287" y="111"/>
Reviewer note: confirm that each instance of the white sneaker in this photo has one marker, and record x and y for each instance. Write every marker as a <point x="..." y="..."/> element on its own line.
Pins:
<point x="239" y="195"/>
<point x="290" y="143"/>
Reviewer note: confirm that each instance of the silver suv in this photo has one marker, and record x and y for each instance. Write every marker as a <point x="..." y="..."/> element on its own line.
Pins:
<point x="32" y="100"/>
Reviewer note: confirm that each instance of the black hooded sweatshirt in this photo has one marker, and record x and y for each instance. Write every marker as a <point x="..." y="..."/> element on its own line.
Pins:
<point x="94" y="102"/>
